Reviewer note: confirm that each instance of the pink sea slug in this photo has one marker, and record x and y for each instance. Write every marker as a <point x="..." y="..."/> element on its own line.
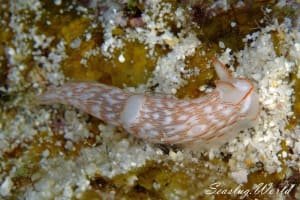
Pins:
<point x="206" y="121"/>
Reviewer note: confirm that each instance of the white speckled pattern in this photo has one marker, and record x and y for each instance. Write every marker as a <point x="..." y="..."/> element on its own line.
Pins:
<point x="211" y="119"/>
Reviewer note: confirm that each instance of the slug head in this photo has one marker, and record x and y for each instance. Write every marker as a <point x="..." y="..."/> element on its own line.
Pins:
<point x="236" y="91"/>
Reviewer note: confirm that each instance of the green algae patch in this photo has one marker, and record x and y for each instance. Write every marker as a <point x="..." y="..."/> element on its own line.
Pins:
<point x="166" y="180"/>
<point x="201" y="73"/>
<point x="129" y="67"/>
<point x="297" y="97"/>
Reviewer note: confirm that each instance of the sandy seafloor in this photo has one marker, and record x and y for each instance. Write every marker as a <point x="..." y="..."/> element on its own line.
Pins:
<point x="155" y="46"/>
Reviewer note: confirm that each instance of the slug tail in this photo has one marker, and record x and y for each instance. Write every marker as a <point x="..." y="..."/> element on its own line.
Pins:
<point x="52" y="95"/>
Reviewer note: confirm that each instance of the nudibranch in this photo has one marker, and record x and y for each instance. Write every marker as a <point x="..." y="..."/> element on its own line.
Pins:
<point x="205" y="121"/>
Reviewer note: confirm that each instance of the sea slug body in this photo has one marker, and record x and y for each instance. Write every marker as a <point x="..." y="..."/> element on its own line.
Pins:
<point x="205" y="121"/>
